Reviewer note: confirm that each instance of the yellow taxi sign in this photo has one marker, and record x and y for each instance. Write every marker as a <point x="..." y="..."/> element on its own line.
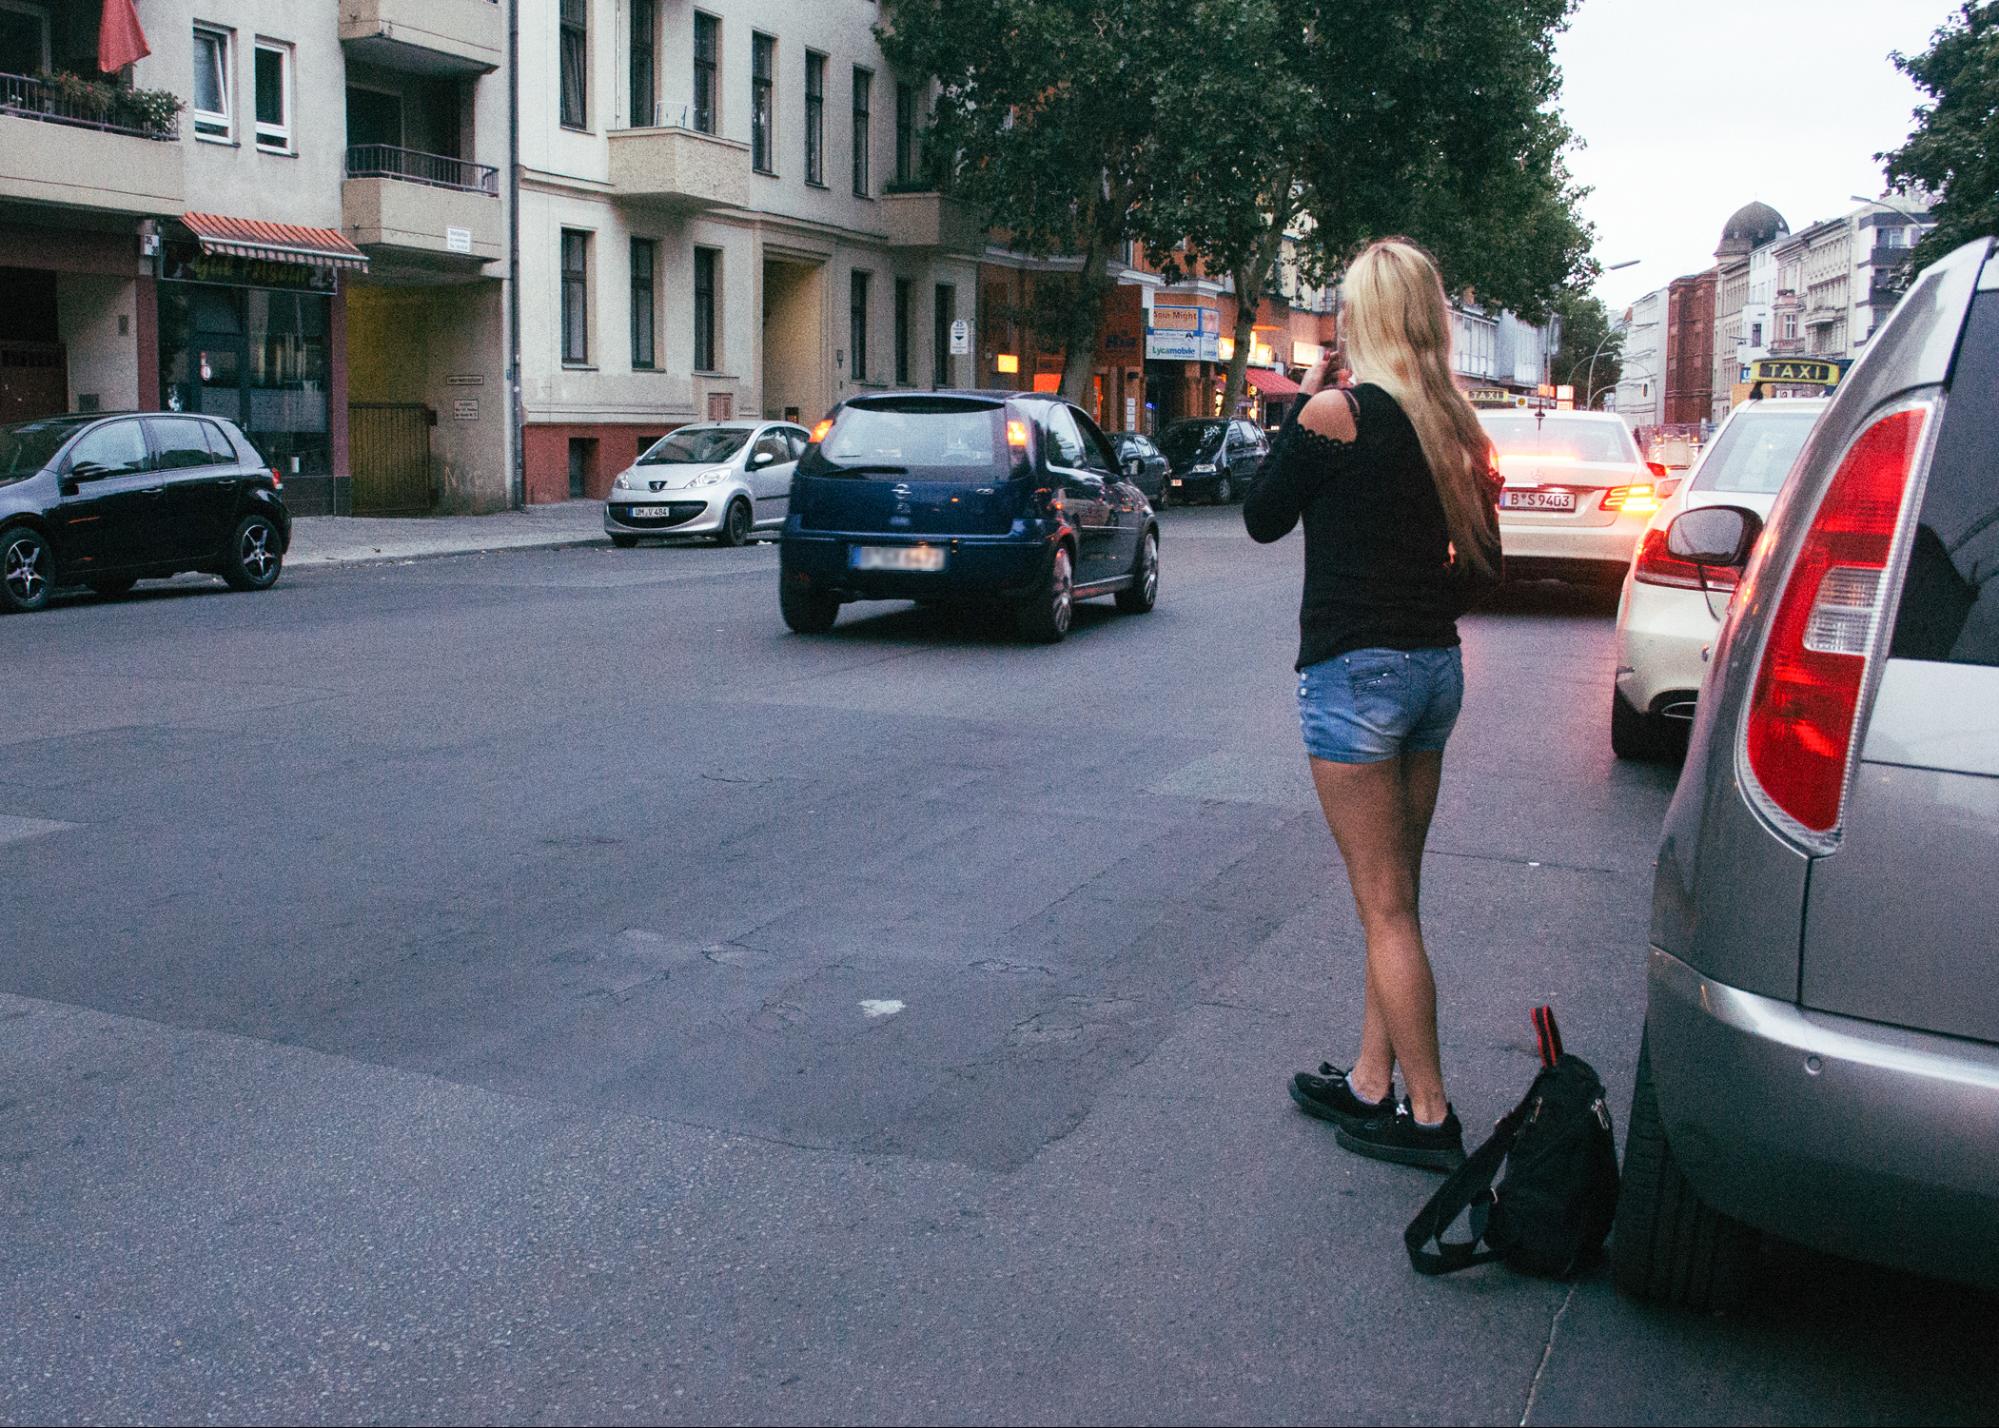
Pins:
<point x="1795" y="372"/>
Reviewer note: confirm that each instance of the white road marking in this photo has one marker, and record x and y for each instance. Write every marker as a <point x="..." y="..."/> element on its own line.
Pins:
<point x="880" y="1008"/>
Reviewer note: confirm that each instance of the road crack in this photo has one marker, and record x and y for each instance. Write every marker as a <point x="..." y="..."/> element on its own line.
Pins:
<point x="1547" y="1352"/>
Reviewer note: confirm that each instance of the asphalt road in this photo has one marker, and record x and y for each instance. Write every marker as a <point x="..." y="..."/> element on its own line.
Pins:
<point x="535" y="986"/>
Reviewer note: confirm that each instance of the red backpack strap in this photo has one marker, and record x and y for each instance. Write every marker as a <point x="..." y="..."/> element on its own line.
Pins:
<point x="1548" y="1035"/>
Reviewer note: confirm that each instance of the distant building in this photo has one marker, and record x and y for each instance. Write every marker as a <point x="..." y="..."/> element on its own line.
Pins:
<point x="1750" y="229"/>
<point x="1882" y="238"/>
<point x="1690" y="349"/>
<point x="1641" y="390"/>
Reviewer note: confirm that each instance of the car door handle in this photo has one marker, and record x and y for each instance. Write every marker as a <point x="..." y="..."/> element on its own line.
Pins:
<point x="154" y="491"/>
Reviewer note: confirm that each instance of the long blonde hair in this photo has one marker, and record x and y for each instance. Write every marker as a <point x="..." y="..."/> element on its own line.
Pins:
<point x="1398" y="336"/>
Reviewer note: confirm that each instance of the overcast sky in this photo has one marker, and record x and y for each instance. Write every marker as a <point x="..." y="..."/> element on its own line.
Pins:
<point x="1691" y="109"/>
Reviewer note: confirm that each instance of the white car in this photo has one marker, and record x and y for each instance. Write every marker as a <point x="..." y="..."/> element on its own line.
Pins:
<point x="725" y="479"/>
<point x="1578" y="493"/>
<point x="1671" y="609"/>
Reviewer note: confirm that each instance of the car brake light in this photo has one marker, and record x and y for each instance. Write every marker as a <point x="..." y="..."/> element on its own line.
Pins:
<point x="1631" y="500"/>
<point x="1658" y="566"/>
<point x="1016" y="435"/>
<point x="1802" y="711"/>
<point x="819" y="432"/>
<point x="277" y="481"/>
<point x="1665" y="486"/>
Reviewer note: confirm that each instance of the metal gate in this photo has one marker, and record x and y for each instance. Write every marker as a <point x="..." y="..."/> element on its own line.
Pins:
<point x="389" y="446"/>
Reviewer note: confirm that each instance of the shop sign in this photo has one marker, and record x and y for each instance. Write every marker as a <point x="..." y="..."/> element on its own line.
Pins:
<point x="1185" y="319"/>
<point x="1183" y="346"/>
<point x="186" y="263"/>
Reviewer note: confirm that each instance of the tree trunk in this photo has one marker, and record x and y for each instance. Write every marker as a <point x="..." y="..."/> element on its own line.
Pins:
<point x="1085" y="326"/>
<point x="1249" y="280"/>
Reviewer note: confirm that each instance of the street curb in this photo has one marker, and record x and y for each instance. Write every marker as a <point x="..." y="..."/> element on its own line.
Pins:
<point x="338" y="562"/>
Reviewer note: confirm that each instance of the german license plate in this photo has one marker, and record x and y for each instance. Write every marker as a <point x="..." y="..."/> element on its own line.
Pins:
<point x="1537" y="500"/>
<point x="898" y="557"/>
<point x="641" y="513"/>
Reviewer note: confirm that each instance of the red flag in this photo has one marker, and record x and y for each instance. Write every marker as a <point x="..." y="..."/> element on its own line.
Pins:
<point x="120" y="41"/>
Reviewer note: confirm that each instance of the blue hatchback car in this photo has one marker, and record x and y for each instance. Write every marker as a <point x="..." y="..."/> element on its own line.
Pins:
<point x="965" y="496"/>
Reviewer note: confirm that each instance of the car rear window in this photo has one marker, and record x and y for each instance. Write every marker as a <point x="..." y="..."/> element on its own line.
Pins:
<point x="696" y="444"/>
<point x="1559" y="438"/>
<point x="930" y="438"/>
<point x="1754" y="455"/>
<point x="1185" y="440"/>
<point x="1950" y="598"/>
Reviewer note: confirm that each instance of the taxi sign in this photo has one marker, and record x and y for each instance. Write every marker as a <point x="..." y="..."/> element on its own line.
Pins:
<point x="1795" y="372"/>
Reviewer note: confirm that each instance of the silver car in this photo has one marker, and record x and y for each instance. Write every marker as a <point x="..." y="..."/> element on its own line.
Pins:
<point x="1821" y="1051"/>
<point x="727" y="479"/>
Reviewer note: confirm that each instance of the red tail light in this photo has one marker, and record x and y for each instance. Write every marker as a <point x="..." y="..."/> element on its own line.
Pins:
<point x="277" y="480"/>
<point x="1799" y="733"/>
<point x="1658" y="566"/>
<point x="1631" y="500"/>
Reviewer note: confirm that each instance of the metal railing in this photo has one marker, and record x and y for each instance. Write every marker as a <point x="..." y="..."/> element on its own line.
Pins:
<point x="415" y="166"/>
<point x="672" y="114"/>
<point x="84" y="104"/>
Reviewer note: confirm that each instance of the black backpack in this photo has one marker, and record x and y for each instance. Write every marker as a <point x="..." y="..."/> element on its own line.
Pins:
<point x="1552" y="1211"/>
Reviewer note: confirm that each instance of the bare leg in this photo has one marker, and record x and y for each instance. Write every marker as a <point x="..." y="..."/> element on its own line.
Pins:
<point x="1370" y="809"/>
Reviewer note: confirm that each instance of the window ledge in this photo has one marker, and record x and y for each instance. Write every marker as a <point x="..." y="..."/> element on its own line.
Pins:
<point x="579" y="366"/>
<point x="822" y="187"/>
<point x="766" y="173"/>
<point x="217" y="139"/>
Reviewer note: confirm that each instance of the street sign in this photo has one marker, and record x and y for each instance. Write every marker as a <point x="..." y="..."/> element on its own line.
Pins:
<point x="961" y="338"/>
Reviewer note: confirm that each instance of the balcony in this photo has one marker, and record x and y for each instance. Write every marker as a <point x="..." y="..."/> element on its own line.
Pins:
<point x="932" y="221"/>
<point x="87" y="144"/>
<point x="421" y="211"/>
<point x="446" y="37"/>
<point x="675" y="166"/>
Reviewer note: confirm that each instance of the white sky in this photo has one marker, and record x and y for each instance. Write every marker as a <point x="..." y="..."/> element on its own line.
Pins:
<point x="1691" y="109"/>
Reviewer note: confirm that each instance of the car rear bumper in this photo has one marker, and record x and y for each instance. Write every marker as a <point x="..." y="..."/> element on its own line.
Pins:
<point x="975" y="567"/>
<point x="1662" y="632"/>
<point x="1854" y="1137"/>
<point x="1602" y="552"/>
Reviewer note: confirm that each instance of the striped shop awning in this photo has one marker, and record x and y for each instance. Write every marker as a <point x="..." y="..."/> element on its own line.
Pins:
<point x="275" y="242"/>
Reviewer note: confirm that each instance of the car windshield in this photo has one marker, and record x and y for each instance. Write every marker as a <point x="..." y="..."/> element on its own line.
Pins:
<point x="1558" y="438"/>
<point x="696" y="444"/>
<point x="26" y="446"/>
<point x="1190" y="438"/>
<point x="1755" y="454"/>
<point x="931" y="438"/>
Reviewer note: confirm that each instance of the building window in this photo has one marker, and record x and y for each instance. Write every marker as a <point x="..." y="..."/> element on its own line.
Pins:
<point x="944" y="303"/>
<point x="573" y="61"/>
<point x="575" y="296"/>
<point x="274" y="95"/>
<point x="905" y="133"/>
<point x="644" y="262"/>
<point x="211" y="83"/>
<point x="857" y="325"/>
<point x="645" y="64"/>
<point x="864" y="83"/>
<point x="815" y="118"/>
<point x="902" y="288"/>
<point x="706" y="358"/>
<point x="1790" y="327"/>
<point x="763" y="59"/>
<point x="1755" y="334"/>
<point x="707" y="74"/>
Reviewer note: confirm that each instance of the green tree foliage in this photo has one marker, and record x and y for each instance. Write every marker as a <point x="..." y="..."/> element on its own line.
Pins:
<point x="1951" y="153"/>
<point x="1591" y="357"/>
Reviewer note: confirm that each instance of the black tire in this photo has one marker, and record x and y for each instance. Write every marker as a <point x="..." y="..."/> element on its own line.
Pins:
<point x="111" y="589"/>
<point x="1143" y="593"/>
<point x="1164" y="499"/>
<point x="806" y="611"/>
<point x="27" y="570"/>
<point x="624" y="542"/>
<point x="254" y="558"/>
<point x="1643" y="737"/>
<point x="1224" y="490"/>
<point x="1667" y="1245"/>
<point x="736" y="523"/>
<point x="1043" y="618"/>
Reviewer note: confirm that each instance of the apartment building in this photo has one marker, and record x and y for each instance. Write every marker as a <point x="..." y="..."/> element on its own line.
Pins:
<point x="275" y="212"/>
<point x="724" y="212"/>
<point x="1641" y="389"/>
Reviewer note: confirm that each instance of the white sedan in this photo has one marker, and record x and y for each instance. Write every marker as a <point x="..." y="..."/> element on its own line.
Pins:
<point x="1578" y="493"/>
<point x="1671" y="609"/>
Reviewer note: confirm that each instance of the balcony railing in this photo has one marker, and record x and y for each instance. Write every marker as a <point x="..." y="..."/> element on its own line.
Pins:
<point x="414" y="166"/>
<point x="90" y="104"/>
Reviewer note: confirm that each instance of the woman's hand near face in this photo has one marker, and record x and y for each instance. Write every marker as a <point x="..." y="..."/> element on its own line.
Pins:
<point x="1325" y="373"/>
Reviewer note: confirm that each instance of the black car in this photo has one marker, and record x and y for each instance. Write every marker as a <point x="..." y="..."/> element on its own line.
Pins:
<point x="1154" y="468"/>
<point x="1215" y="458"/>
<point x="965" y="496"/>
<point x="109" y="500"/>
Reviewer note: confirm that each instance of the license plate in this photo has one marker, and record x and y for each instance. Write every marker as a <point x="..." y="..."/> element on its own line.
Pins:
<point x="1537" y="500"/>
<point x="898" y="557"/>
<point x="1178" y="482"/>
<point x="642" y="513"/>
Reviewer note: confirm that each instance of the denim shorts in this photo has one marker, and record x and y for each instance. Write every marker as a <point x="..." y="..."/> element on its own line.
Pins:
<point x="1368" y="705"/>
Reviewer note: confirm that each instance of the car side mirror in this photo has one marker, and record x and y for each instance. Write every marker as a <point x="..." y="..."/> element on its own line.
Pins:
<point x="1714" y="535"/>
<point x="87" y="471"/>
<point x="760" y="459"/>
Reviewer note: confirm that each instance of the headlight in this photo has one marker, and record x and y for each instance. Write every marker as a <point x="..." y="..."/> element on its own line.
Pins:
<point x="1203" y="468"/>
<point x="623" y="483"/>
<point x="715" y="477"/>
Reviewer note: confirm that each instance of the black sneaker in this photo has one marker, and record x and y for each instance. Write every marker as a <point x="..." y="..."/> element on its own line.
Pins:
<point x="1396" y="1136"/>
<point x="1329" y="1097"/>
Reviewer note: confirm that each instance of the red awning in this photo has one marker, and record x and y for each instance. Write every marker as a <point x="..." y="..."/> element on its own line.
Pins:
<point x="1271" y="384"/>
<point x="275" y="242"/>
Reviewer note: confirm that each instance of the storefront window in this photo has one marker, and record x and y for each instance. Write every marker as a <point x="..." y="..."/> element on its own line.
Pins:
<point x="260" y="358"/>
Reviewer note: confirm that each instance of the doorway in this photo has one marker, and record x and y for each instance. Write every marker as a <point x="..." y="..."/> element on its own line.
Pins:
<point x="794" y="338"/>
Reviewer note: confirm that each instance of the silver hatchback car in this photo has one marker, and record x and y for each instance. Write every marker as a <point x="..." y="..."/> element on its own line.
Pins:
<point x="1821" y="1052"/>
<point x="727" y="479"/>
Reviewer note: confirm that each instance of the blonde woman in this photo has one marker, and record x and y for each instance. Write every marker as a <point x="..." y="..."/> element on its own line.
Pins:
<point x="1392" y="477"/>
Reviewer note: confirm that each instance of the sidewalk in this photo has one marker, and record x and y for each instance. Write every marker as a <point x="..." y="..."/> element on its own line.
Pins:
<point x="347" y="540"/>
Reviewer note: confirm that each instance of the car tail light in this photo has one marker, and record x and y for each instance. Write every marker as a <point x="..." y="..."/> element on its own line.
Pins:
<point x="1665" y="486"/>
<point x="277" y="480"/>
<point x="1658" y="566"/>
<point x="819" y="432"/>
<point x="1631" y="500"/>
<point x="1016" y="435"/>
<point x="1813" y="671"/>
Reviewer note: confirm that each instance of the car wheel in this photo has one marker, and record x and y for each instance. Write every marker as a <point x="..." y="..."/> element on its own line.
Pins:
<point x="1143" y="593"/>
<point x="736" y="524"/>
<point x="1224" y="489"/>
<point x="1667" y="1245"/>
<point x="806" y="611"/>
<point x="27" y="566"/>
<point x="1642" y="737"/>
<point x="112" y="589"/>
<point x="253" y="559"/>
<point x="1043" y="618"/>
<point x="624" y="542"/>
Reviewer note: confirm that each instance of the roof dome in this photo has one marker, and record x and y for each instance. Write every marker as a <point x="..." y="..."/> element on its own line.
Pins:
<point x="1753" y="225"/>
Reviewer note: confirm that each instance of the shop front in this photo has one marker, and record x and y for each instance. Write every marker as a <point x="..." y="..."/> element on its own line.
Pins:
<point x="1182" y="348"/>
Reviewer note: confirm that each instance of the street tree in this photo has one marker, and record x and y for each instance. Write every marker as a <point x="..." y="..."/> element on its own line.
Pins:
<point x="1591" y="355"/>
<point x="1951" y="153"/>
